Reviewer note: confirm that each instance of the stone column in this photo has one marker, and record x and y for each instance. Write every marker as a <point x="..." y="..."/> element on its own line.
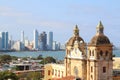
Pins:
<point x="88" y="70"/>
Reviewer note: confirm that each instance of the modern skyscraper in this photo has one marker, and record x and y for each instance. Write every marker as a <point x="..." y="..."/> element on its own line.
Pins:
<point x="6" y="40"/>
<point x="43" y="41"/>
<point x="4" y="37"/>
<point x="22" y="37"/>
<point x="22" y="40"/>
<point x="50" y="40"/>
<point x="35" y="40"/>
<point x="0" y="43"/>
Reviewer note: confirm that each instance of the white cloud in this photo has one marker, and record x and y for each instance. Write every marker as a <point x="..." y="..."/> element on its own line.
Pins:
<point x="11" y="12"/>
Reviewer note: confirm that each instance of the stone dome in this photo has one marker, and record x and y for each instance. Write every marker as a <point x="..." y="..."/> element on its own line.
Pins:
<point x="100" y="39"/>
<point x="73" y="39"/>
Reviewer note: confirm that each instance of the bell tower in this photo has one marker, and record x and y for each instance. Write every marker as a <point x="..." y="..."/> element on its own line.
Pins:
<point x="75" y="59"/>
<point x="99" y="57"/>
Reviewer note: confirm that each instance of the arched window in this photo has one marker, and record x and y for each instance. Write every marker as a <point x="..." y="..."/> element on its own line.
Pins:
<point x="91" y="69"/>
<point x="106" y="53"/>
<point x="101" y="53"/>
<point x="104" y="69"/>
<point x="91" y="77"/>
<point x="93" y="53"/>
<point x="90" y="52"/>
<point x="76" y="71"/>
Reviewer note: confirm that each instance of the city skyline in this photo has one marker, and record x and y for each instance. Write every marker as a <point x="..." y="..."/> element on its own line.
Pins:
<point x="60" y="17"/>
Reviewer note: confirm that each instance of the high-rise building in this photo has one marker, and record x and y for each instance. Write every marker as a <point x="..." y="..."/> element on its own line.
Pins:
<point x="22" y="37"/>
<point x="22" y="40"/>
<point x="35" y="40"/>
<point x="4" y="37"/>
<point x="6" y="40"/>
<point x="54" y="45"/>
<point x="0" y="43"/>
<point x="50" y="40"/>
<point x="43" y="41"/>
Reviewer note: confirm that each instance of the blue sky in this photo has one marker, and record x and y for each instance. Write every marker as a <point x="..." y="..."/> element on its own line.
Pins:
<point x="60" y="16"/>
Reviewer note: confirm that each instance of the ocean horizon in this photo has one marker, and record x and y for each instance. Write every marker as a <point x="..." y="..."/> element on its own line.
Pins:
<point x="59" y="55"/>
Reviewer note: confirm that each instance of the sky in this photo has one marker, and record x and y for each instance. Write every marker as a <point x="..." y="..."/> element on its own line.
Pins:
<point x="60" y="16"/>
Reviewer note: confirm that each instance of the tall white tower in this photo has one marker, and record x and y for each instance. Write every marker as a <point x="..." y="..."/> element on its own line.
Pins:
<point x="50" y="40"/>
<point x="35" y="40"/>
<point x="22" y="37"/>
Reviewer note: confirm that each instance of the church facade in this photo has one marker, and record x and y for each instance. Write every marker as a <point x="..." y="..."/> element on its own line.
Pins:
<point x="92" y="61"/>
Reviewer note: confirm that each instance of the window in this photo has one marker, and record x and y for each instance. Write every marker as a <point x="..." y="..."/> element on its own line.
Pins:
<point x="104" y="69"/>
<point x="90" y="52"/>
<point x="106" y="53"/>
<point x="53" y="72"/>
<point x="93" y="53"/>
<point x="91" y="77"/>
<point x="62" y="73"/>
<point x="48" y="72"/>
<point x="101" y="53"/>
<point x="91" y="69"/>
<point x="59" y="73"/>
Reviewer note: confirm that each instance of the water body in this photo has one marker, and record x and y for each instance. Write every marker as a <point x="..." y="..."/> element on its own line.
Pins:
<point x="59" y="55"/>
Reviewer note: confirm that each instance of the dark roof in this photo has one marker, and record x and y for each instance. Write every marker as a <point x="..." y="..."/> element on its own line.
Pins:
<point x="73" y="39"/>
<point x="99" y="39"/>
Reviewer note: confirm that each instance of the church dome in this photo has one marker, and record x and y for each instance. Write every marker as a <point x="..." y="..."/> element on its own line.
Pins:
<point x="100" y="38"/>
<point x="75" y="37"/>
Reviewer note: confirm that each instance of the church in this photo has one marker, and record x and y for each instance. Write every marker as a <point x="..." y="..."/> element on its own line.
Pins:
<point x="92" y="61"/>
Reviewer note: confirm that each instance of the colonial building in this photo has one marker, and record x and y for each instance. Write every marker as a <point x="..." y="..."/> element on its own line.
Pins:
<point x="100" y="62"/>
<point x="75" y="59"/>
<point x="87" y="62"/>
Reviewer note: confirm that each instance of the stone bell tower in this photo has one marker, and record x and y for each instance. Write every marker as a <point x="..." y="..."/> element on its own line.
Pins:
<point x="75" y="59"/>
<point x="99" y="63"/>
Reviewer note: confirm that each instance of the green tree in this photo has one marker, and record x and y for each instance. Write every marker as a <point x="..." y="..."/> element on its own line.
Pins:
<point x="34" y="76"/>
<point x="48" y="60"/>
<point x="8" y="75"/>
<point x="5" y="58"/>
<point x="40" y="57"/>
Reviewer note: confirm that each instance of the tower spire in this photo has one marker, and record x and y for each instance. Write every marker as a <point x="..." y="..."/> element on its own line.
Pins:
<point x="76" y="31"/>
<point x="100" y="28"/>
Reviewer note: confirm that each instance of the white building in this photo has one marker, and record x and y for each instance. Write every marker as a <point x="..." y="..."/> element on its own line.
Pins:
<point x="35" y="46"/>
<point x="50" y="40"/>
<point x="17" y="46"/>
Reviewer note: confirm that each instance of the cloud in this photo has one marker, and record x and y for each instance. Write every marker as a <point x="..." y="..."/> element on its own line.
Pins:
<point x="11" y="12"/>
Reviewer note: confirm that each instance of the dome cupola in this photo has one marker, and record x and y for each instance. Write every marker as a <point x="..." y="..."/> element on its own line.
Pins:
<point x="75" y="37"/>
<point x="100" y="38"/>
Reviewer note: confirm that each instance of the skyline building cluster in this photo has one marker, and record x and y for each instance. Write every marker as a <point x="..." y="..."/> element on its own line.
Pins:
<point x="41" y="41"/>
<point x="44" y="42"/>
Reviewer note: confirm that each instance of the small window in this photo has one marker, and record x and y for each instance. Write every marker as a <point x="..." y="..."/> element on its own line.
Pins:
<point x="48" y="72"/>
<point x="90" y="52"/>
<point x="101" y="53"/>
<point x="91" y="77"/>
<point x="93" y="53"/>
<point x="106" y="54"/>
<point x="104" y="69"/>
<point x="53" y="72"/>
<point x="91" y="69"/>
<point x="62" y="73"/>
<point x="59" y="73"/>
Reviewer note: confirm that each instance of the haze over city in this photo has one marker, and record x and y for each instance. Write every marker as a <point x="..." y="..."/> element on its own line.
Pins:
<point x="60" y="17"/>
